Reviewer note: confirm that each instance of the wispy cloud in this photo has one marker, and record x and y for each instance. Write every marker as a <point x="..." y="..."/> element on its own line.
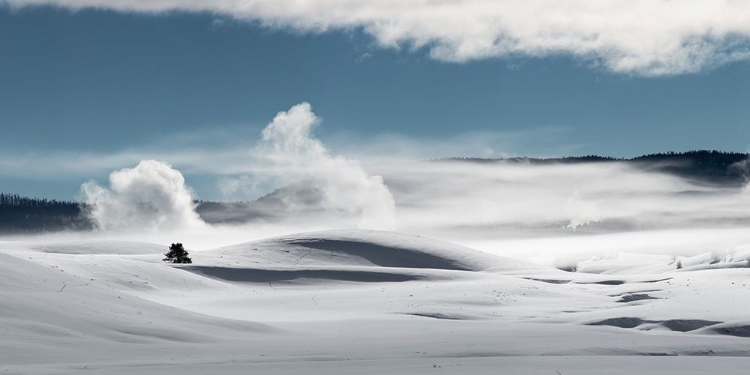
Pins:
<point x="225" y="151"/>
<point x="542" y="141"/>
<point x="645" y="37"/>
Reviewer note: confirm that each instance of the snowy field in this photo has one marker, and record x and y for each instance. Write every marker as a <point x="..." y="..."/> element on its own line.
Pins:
<point x="523" y="187"/>
<point x="516" y="269"/>
<point x="356" y="301"/>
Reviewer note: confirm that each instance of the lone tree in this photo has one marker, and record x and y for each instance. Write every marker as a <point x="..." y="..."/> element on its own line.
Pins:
<point x="177" y="254"/>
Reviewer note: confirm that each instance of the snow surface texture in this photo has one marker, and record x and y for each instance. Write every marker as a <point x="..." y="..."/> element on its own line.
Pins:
<point x="343" y="302"/>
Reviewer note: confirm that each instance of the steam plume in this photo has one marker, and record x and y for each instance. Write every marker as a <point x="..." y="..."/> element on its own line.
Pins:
<point x="288" y="146"/>
<point x="151" y="196"/>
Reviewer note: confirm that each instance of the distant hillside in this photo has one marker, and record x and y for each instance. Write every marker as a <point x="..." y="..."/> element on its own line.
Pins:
<point x="709" y="166"/>
<point x="294" y="199"/>
<point x="30" y="215"/>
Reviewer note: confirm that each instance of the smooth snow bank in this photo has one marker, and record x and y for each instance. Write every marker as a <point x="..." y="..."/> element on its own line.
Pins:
<point x="42" y="306"/>
<point x="358" y="301"/>
<point x="370" y="248"/>
<point x="100" y="247"/>
<point x="630" y="263"/>
<point x="90" y="247"/>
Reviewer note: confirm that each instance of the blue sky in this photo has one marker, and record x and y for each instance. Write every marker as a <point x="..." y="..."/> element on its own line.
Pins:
<point x="103" y="85"/>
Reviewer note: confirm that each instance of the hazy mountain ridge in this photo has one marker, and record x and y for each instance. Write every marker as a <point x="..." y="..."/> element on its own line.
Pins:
<point x="295" y="198"/>
<point x="705" y="165"/>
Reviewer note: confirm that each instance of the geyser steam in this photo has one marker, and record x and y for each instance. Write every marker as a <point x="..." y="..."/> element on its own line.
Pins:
<point x="293" y="154"/>
<point x="151" y="196"/>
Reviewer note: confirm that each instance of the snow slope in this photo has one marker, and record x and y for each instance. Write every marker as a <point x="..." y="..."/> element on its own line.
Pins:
<point x="362" y="302"/>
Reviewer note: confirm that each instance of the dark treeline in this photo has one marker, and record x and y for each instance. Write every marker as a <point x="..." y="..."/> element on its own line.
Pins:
<point x="709" y="166"/>
<point x="31" y="215"/>
<point x="539" y="161"/>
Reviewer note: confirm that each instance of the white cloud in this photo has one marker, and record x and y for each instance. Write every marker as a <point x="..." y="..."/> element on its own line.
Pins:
<point x="152" y="196"/>
<point x="217" y="162"/>
<point x="647" y="37"/>
<point x="545" y="141"/>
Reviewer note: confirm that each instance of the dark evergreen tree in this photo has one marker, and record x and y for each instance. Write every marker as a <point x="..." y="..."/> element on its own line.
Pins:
<point x="177" y="254"/>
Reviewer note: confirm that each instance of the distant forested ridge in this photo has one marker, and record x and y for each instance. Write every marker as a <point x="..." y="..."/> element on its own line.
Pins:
<point x="21" y="215"/>
<point x="31" y="215"/>
<point x="709" y="166"/>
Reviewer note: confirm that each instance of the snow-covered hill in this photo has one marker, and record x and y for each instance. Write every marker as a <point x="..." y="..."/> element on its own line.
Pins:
<point x="353" y="301"/>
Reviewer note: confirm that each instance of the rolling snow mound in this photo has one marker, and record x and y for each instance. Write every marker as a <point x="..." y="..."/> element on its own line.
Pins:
<point x="101" y="247"/>
<point x="367" y="248"/>
<point x="90" y="247"/>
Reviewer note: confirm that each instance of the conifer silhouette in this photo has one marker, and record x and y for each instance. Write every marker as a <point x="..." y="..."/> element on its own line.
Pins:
<point x="177" y="254"/>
